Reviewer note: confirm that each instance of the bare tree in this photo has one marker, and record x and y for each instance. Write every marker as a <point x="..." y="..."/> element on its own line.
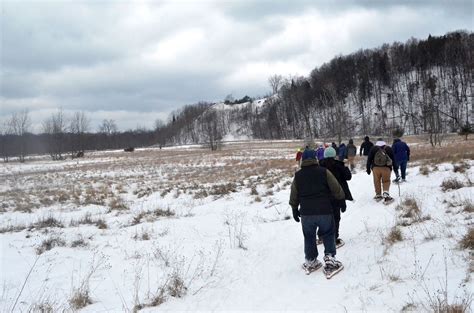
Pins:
<point x="20" y="124"/>
<point x="55" y="128"/>
<point x="275" y="82"/>
<point x="210" y="129"/>
<point x="108" y="127"/>
<point x="6" y="140"/>
<point x="78" y="127"/>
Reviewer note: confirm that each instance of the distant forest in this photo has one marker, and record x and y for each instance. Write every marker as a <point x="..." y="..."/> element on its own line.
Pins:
<point x="420" y="86"/>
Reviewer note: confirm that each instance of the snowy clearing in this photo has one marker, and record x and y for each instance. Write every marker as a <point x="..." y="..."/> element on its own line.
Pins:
<point x="189" y="229"/>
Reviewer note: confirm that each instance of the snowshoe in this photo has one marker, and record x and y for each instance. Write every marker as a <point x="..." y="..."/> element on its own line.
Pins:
<point x="339" y="243"/>
<point x="396" y="180"/>
<point x="378" y="198"/>
<point x="310" y="267"/>
<point x="331" y="267"/>
<point x="387" y="199"/>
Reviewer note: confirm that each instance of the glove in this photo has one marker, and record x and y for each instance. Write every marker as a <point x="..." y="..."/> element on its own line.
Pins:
<point x="343" y="209"/>
<point x="296" y="214"/>
<point x="368" y="171"/>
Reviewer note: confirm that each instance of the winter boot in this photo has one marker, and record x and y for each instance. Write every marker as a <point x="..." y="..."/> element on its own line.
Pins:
<point x="396" y="180"/>
<point x="378" y="198"/>
<point x="331" y="266"/>
<point x="386" y="198"/>
<point x="310" y="266"/>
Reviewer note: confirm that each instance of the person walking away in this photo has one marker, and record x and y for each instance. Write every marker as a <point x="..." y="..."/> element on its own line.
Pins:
<point x="333" y="144"/>
<point x="299" y="154"/>
<point x="380" y="161"/>
<point x="342" y="174"/>
<point x="366" y="146"/>
<point x="320" y="152"/>
<point x="401" y="151"/>
<point x="312" y="189"/>
<point x="342" y="152"/>
<point x="351" y="152"/>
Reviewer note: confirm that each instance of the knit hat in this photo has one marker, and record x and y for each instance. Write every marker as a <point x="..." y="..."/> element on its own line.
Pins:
<point x="309" y="154"/>
<point x="329" y="152"/>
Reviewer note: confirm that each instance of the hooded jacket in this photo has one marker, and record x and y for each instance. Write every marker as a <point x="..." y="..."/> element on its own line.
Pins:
<point x="370" y="158"/>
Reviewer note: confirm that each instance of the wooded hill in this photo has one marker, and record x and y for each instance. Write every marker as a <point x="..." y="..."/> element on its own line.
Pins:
<point x="420" y="86"/>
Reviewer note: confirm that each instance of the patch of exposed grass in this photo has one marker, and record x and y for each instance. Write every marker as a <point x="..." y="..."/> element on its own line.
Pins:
<point x="49" y="244"/>
<point x="394" y="235"/>
<point x="451" y="184"/>
<point x="468" y="206"/>
<point x="461" y="167"/>
<point x="467" y="242"/>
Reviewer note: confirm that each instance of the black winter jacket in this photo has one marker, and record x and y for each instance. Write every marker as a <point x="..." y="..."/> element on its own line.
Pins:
<point x="370" y="158"/>
<point x="342" y="174"/>
<point x="366" y="146"/>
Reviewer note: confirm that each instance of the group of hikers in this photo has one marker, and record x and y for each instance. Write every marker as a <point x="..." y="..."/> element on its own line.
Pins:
<point x="319" y="191"/>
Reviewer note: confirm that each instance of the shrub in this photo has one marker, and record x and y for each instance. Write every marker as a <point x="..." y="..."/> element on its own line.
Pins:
<point x="461" y="167"/>
<point x="394" y="236"/>
<point x="465" y="130"/>
<point x="424" y="170"/>
<point x="451" y="184"/>
<point x="467" y="242"/>
<point x="80" y="298"/>
<point x="49" y="244"/>
<point x="468" y="206"/>
<point x="46" y="222"/>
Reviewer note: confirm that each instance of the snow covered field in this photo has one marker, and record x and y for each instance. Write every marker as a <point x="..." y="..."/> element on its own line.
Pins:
<point x="186" y="229"/>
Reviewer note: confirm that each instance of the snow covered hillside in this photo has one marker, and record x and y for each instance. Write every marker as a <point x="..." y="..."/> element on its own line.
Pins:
<point x="188" y="229"/>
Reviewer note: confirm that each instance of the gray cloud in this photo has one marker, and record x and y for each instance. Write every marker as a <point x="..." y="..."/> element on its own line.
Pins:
<point x="149" y="58"/>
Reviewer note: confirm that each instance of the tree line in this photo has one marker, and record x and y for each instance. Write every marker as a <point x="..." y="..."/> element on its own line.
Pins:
<point x="63" y="136"/>
<point x="420" y="86"/>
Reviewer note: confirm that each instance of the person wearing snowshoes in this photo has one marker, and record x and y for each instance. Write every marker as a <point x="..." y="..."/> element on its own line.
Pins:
<point x="401" y="151"/>
<point x="351" y="152"/>
<point x="312" y="189"/>
<point x="342" y="174"/>
<point x="380" y="162"/>
<point x="366" y="146"/>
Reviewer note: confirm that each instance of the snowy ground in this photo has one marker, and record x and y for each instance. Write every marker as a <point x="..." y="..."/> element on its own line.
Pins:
<point x="186" y="229"/>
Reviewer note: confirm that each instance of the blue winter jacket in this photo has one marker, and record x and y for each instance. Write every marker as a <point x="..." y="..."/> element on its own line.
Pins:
<point x="401" y="151"/>
<point x="342" y="152"/>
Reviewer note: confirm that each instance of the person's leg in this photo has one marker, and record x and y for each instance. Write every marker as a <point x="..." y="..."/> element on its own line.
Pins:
<point x="326" y="227"/>
<point x="376" y="172"/>
<point x="337" y="219"/>
<point x="385" y="175"/>
<point x="395" y="169"/>
<point x="308" y="223"/>
<point x="403" y="168"/>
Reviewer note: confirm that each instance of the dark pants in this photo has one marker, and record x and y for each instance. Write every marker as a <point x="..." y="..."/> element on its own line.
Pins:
<point x="337" y="219"/>
<point x="403" y="168"/>
<point x="324" y="224"/>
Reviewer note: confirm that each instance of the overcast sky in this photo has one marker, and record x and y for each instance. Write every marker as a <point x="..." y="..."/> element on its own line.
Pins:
<point x="136" y="61"/>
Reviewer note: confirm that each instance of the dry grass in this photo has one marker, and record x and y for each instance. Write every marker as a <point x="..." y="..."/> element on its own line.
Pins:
<point x="395" y="235"/>
<point x="80" y="299"/>
<point x="468" y="206"/>
<point x="453" y="150"/>
<point x="467" y="242"/>
<point x="451" y="184"/>
<point x="49" y="244"/>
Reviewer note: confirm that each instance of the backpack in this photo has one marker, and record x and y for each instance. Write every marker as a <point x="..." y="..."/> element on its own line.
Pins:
<point x="381" y="158"/>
